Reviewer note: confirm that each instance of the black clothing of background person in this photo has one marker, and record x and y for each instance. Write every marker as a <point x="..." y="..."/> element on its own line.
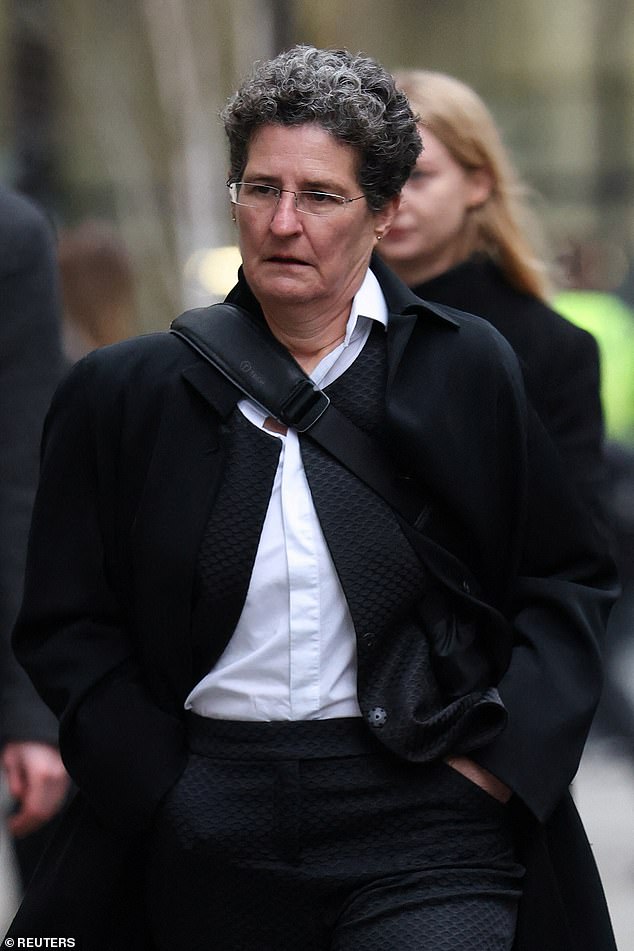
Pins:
<point x="30" y="367"/>
<point x="615" y="714"/>
<point x="559" y="361"/>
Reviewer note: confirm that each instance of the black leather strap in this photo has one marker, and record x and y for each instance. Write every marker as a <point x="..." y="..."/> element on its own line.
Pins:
<point x="250" y="358"/>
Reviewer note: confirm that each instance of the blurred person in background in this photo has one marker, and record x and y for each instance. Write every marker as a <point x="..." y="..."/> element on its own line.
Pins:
<point x="614" y="721"/>
<point x="592" y="270"/>
<point x="97" y="285"/>
<point x="30" y="367"/>
<point x="297" y="720"/>
<point x="465" y="236"/>
<point x="589" y="272"/>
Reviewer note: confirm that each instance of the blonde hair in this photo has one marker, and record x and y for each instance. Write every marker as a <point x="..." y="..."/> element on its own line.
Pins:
<point x="504" y="226"/>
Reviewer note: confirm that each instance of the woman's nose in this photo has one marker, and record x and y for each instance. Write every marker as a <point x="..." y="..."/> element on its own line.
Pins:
<point x="286" y="218"/>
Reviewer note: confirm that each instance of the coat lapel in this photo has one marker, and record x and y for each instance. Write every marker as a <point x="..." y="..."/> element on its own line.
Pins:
<point x="181" y="481"/>
<point x="405" y="311"/>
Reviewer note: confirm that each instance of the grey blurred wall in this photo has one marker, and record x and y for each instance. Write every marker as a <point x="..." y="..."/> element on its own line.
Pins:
<point x="110" y="109"/>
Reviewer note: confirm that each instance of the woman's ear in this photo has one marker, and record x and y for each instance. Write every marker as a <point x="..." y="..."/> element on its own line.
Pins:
<point x="480" y="186"/>
<point x="385" y="217"/>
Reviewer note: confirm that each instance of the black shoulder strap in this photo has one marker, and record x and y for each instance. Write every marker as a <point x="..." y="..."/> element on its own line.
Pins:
<point x="253" y="360"/>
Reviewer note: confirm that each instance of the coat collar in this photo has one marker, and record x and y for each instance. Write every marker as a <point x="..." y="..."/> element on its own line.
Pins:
<point x="405" y="310"/>
<point x="400" y="299"/>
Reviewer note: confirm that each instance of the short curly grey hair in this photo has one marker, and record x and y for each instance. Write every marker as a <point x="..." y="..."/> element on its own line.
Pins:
<point x="351" y="96"/>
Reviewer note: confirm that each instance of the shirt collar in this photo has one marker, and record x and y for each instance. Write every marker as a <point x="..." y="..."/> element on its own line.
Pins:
<point x="367" y="302"/>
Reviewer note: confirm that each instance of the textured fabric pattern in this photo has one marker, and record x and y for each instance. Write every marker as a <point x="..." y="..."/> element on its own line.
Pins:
<point x="338" y="853"/>
<point x="381" y="576"/>
<point x="360" y="391"/>
<point x="383" y="581"/>
<point x="229" y="544"/>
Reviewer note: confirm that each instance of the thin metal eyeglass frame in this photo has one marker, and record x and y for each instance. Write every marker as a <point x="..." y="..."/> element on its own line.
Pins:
<point x="342" y="200"/>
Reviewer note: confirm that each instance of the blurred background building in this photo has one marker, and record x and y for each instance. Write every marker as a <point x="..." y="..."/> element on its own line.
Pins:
<point x="109" y="118"/>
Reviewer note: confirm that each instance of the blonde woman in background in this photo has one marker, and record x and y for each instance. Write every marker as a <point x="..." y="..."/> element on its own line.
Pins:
<point x="465" y="236"/>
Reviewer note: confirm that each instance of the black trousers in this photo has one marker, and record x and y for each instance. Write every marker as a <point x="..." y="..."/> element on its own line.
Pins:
<point x="307" y="836"/>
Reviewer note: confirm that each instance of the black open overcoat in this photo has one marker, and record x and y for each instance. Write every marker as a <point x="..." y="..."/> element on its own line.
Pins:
<point x="133" y="456"/>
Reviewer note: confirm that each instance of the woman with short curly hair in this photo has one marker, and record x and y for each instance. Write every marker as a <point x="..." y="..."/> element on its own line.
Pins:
<point x="297" y="709"/>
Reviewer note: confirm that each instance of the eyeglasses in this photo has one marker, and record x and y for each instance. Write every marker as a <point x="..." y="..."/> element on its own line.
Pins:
<point x="267" y="197"/>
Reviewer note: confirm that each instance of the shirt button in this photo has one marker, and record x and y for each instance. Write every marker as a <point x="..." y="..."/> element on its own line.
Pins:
<point x="377" y="717"/>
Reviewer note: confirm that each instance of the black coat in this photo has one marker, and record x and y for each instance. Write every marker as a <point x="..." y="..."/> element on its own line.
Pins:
<point x="560" y="363"/>
<point x="133" y="458"/>
<point x="30" y="368"/>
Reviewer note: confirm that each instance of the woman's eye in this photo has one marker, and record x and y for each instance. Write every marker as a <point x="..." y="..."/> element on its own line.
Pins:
<point x="321" y="198"/>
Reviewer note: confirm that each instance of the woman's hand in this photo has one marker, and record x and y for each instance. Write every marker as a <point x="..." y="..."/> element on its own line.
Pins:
<point x="481" y="777"/>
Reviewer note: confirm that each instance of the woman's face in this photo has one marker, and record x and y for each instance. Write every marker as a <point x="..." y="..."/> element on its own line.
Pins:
<point x="427" y="236"/>
<point x="291" y="258"/>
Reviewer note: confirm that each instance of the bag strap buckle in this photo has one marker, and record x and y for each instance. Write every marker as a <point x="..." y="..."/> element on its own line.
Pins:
<point x="303" y="406"/>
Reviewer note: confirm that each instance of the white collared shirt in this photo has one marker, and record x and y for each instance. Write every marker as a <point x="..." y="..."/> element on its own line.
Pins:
<point x="292" y="655"/>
